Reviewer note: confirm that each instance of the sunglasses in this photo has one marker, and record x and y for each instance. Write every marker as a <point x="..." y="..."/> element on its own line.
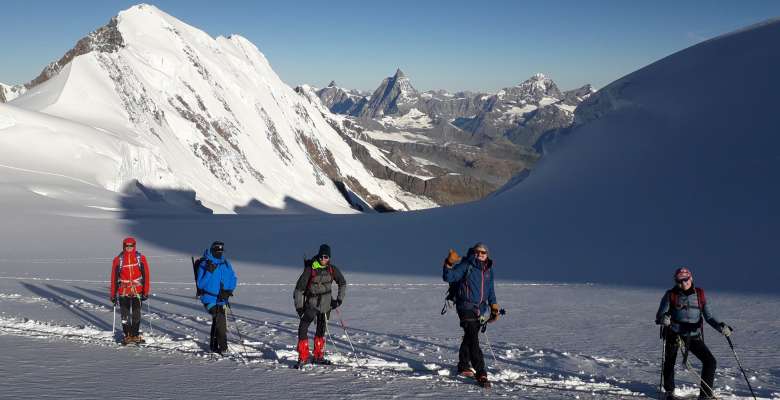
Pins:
<point x="129" y="246"/>
<point x="683" y="280"/>
<point x="480" y="252"/>
<point x="324" y="257"/>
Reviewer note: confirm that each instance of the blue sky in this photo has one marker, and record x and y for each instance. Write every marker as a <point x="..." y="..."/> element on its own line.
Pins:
<point x="452" y="45"/>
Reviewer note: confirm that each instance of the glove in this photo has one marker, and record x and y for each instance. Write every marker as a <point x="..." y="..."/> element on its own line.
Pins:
<point x="210" y="266"/>
<point x="225" y="294"/>
<point x="452" y="259"/>
<point x="144" y="297"/>
<point x="494" y="312"/>
<point x="666" y="321"/>
<point x="113" y="300"/>
<point x="300" y="311"/>
<point x="725" y="329"/>
<point x="334" y="304"/>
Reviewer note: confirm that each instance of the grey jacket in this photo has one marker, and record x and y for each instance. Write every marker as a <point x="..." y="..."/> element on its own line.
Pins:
<point x="687" y="313"/>
<point x="317" y="293"/>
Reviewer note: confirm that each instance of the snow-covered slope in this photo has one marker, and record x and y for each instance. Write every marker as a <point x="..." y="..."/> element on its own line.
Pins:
<point x="209" y="116"/>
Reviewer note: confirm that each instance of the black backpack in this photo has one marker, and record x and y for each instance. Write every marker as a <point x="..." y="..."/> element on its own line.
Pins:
<point x="452" y="291"/>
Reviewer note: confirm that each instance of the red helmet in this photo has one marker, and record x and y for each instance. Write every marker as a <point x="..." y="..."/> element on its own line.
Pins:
<point x="128" y="241"/>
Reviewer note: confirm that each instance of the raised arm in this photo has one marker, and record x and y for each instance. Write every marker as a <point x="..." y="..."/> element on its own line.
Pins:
<point x="455" y="273"/>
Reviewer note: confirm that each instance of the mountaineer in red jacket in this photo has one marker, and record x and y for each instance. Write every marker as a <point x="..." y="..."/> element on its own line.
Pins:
<point x="130" y="286"/>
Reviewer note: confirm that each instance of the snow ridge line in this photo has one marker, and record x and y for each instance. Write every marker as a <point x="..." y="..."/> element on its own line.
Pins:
<point x="32" y="171"/>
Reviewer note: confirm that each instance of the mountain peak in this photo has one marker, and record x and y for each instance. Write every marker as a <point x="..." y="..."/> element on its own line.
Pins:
<point x="399" y="74"/>
<point x="332" y="84"/>
<point x="538" y="77"/>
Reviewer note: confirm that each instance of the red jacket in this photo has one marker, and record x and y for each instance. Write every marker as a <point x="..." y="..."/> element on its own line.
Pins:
<point x="129" y="275"/>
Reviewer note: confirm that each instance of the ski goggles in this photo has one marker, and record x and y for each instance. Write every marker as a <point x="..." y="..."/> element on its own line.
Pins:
<point x="683" y="280"/>
<point x="480" y="251"/>
<point x="129" y="245"/>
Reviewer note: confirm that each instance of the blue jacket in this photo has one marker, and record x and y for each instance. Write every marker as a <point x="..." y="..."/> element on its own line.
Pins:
<point x="475" y="289"/>
<point x="687" y="313"/>
<point x="214" y="274"/>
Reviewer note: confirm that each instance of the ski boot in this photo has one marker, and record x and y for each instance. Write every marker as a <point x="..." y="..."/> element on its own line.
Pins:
<point x="319" y="351"/>
<point x="303" y="353"/>
<point x="138" y="339"/>
<point x="128" y="339"/>
<point x="482" y="380"/>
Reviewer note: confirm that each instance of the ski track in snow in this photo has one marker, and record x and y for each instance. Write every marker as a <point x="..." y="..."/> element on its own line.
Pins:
<point x="181" y="330"/>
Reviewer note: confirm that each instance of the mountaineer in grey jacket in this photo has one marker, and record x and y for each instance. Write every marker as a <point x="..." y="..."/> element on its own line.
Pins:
<point x="314" y="300"/>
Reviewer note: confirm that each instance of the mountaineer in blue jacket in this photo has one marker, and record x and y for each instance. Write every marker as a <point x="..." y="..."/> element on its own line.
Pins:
<point x="475" y="299"/>
<point x="216" y="283"/>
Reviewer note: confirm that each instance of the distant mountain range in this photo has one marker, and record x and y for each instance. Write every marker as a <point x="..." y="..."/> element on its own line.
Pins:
<point x="453" y="147"/>
<point x="209" y="116"/>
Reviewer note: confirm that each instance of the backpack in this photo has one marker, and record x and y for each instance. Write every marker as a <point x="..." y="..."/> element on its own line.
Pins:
<point x="701" y="299"/>
<point x="452" y="291"/>
<point x="195" y="265"/>
<point x="313" y="272"/>
<point x="138" y="256"/>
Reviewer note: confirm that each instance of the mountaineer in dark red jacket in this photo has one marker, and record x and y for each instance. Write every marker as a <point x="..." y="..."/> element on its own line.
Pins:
<point x="130" y="286"/>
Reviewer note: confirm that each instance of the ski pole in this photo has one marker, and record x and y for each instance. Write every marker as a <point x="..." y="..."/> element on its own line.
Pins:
<point x="327" y="332"/>
<point x="487" y="339"/>
<point x="149" y="313"/>
<point x="739" y="363"/>
<point x="663" y="360"/>
<point x="344" y="327"/>
<point x="113" y="323"/>
<point x="235" y="325"/>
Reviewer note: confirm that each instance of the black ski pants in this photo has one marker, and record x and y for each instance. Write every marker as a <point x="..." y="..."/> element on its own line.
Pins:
<point x="697" y="347"/>
<point x="218" y="340"/>
<point x="309" y="315"/>
<point x="470" y="354"/>
<point x="130" y="310"/>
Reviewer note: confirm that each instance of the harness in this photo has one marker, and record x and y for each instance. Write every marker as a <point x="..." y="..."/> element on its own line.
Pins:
<point x="701" y="301"/>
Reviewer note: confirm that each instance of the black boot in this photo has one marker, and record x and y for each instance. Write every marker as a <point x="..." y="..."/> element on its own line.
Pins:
<point x="482" y="380"/>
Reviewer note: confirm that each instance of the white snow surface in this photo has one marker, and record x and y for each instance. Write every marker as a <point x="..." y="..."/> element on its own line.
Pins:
<point x="208" y="115"/>
<point x="660" y="170"/>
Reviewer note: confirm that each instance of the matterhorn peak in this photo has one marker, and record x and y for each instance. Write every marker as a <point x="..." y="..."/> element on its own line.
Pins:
<point x="399" y="74"/>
